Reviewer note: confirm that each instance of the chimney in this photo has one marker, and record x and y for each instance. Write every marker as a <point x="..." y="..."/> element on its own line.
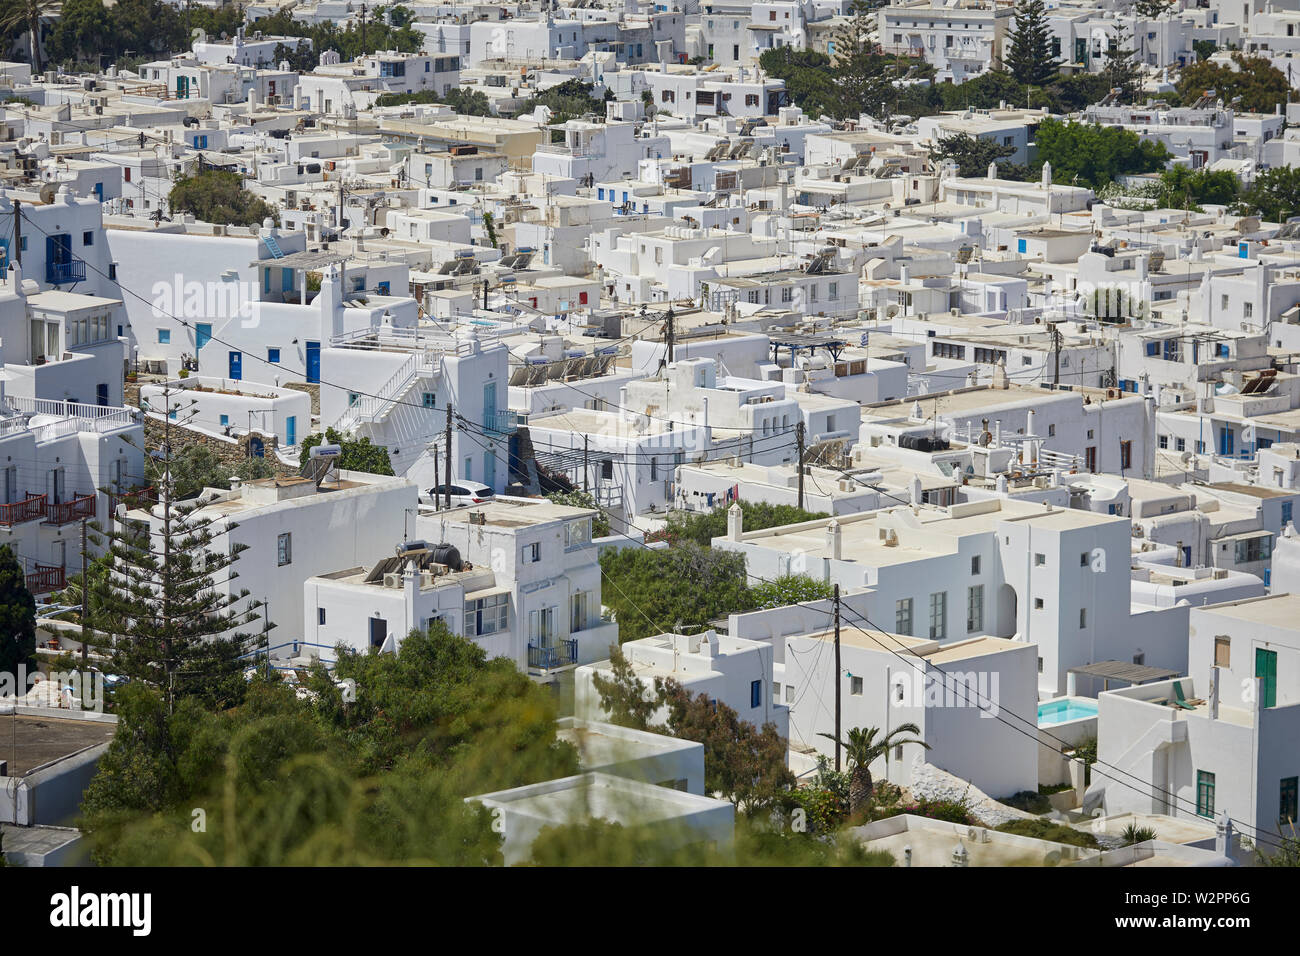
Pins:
<point x="735" y="523"/>
<point x="835" y="540"/>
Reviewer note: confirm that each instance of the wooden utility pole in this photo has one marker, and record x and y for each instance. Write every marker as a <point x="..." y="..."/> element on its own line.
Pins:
<point x="586" y="470"/>
<point x="85" y="595"/>
<point x="839" y="679"/>
<point x="18" y="232"/>
<point x="670" y="333"/>
<point x="1056" y="349"/>
<point x="798" y="440"/>
<point x="447" y="481"/>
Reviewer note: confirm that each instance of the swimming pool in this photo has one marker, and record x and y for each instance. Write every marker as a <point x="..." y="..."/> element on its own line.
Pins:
<point x="1071" y="708"/>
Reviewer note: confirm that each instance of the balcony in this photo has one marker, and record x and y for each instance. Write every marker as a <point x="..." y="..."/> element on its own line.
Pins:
<point x="45" y="578"/>
<point x="29" y="509"/>
<point x="57" y="273"/>
<point x="76" y="508"/>
<point x="562" y="654"/>
<point x="500" y="423"/>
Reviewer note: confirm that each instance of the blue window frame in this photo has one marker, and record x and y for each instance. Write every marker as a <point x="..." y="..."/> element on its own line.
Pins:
<point x="756" y="693"/>
<point x="164" y="336"/>
<point x="286" y="280"/>
<point x="273" y="356"/>
<point x="429" y="400"/>
<point x="225" y="420"/>
<point x="1153" y="348"/>
<point x="1022" y="246"/>
<point x="1287" y="508"/>
<point x="87" y="238"/>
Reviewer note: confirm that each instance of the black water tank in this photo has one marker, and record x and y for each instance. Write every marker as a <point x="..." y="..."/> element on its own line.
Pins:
<point x="449" y="555"/>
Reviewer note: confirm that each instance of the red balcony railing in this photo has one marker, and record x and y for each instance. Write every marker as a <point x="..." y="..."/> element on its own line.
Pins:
<point x="82" y="506"/>
<point x="29" y="509"/>
<point x="45" y="578"/>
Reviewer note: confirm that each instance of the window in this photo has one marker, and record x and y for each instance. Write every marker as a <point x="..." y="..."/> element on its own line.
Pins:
<point x="948" y="350"/>
<point x="487" y="615"/>
<point x="1040" y="560"/>
<point x="1223" y="651"/>
<point x="1254" y="549"/>
<point x="1180" y="444"/>
<point x="975" y="608"/>
<point x="1083" y="559"/>
<point x="579" y="609"/>
<point x="164" y="336"/>
<point x="225" y="420"/>
<point x="532" y="553"/>
<point x="284" y="549"/>
<point x="577" y="533"/>
<point x="789" y="693"/>
<point x="1204" y="793"/>
<point x="1286" y="800"/>
<point x="1083" y="617"/>
<point x="1038" y="604"/>
<point x="1051" y="431"/>
<point x="87" y="238"/>
<point x="320" y="616"/>
<point x="1288" y="509"/>
<point x="756" y="693"/>
<point x="938" y="615"/>
<point x="273" y="356"/>
<point x="975" y="565"/>
<point x="855" y="686"/>
<point x="428" y="400"/>
<point x="1125" y="455"/>
<point x="903" y="617"/>
<point x="1163" y="441"/>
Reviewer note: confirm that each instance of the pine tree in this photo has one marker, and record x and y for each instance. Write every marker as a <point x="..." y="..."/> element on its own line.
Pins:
<point x="170" y="618"/>
<point x="1029" y="45"/>
<point x="17" y="617"/>
<point x="1122" y="70"/>
<point x="1152" y="9"/>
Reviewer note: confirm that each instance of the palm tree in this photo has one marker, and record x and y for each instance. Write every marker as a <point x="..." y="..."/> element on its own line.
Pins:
<point x="28" y="15"/>
<point x="862" y="749"/>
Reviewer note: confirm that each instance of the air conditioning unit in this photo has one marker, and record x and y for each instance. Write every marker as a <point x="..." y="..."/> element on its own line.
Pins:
<point x="393" y="579"/>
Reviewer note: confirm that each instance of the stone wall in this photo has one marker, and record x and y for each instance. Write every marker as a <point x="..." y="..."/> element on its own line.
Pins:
<point x="233" y="452"/>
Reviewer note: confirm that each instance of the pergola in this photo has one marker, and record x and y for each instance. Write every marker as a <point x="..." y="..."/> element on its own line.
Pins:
<point x="1121" y="671"/>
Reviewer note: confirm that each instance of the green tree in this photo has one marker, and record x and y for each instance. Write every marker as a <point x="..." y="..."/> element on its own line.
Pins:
<point x="1274" y="195"/>
<point x="971" y="154"/>
<point x="655" y="591"/>
<point x="17" y="616"/>
<point x="789" y="589"/>
<point x="808" y="78"/>
<point x="1152" y="9"/>
<point x="1122" y="71"/>
<point x="1093" y="155"/>
<point x="1254" y="81"/>
<point x="626" y="699"/>
<point x="81" y="33"/>
<point x="358" y="454"/>
<point x="28" y="16"/>
<point x="218" y="196"/>
<point x="862" y="748"/>
<point x="490" y="228"/>
<point x="1184" y="188"/>
<point x="196" y="467"/>
<point x="1029" y="45"/>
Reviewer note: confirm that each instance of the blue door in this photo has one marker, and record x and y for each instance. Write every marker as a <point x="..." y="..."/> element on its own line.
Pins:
<point x="1225" y="441"/>
<point x="101" y="394"/>
<point x="490" y="406"/>
<point x="236" y="366"/>
<point x="202" y="334"/>
<point x="490" y="469"/>
<point x="291" y="430"/>
<point x="313" y="361"/>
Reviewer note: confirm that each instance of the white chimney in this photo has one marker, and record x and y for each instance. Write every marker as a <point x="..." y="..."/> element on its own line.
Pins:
<point x="835" y="540"/>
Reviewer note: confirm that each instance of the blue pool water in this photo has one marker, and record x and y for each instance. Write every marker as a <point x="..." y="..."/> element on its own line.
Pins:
<point x="1059" y="711"/>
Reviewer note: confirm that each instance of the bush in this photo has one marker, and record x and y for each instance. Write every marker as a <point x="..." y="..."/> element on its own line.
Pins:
<point x="953" y="811"/>
<point x="702" y="527"/>
<point x="1028" y="800"/>
<point x="1135" y="834"/>
<point x="1049" y="830"/>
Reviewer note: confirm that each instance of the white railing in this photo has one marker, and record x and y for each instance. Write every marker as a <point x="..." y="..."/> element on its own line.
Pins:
<point x="370" y="407"/>
<point x="80" y="417"/>
<point x="442" y="343"/>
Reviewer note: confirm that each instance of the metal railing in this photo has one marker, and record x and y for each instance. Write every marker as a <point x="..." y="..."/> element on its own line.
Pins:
<point x="501" y="422"/>
<point x="29" y="509"/>
<point x="98" y="418"/>
<point x="57" y="273"/>
<point x="562" y="654"/>
<point x="74" y="509"/>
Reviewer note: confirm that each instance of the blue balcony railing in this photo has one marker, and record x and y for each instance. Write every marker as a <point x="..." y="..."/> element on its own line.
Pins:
<point x="57" y="273"/>
<point x="501" y="422"/>
<point x="562" y="654"/>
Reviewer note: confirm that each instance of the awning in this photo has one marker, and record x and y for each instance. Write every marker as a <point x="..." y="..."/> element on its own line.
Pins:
<point x="1120" y="670"/>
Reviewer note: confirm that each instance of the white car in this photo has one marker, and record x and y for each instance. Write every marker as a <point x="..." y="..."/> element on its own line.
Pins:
<point x="462" y="495"/>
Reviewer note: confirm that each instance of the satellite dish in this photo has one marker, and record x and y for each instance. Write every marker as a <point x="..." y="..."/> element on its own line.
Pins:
<point x="48" y="192"/>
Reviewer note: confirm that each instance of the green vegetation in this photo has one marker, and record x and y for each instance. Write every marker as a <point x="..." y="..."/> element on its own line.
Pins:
<point x="359" y="454"/>
<point x="196" y="467"/>
<point x="788" y="589"/>
<point x="1184" y="188"/>
<point x="1049" y="830"/>
<point x="352" y="41"/>
<point x="862" y="747"/>
<point x="465" y="101"/>
<point x="1029" y="45"/>
<point x="743" y="763"/>
<point x="973" y="156"/>
<point x="1274" y="195"/>
<point x="1031" y="801"/>
<point x="600" y="527"/>
<point x="1135" y="834"/>
<point x="1093" y="156"/>
<point x="1285" y="852"/>
<point x="17" y="617"/>
<point x="953" y="811"/>
<point x="656" y="591"/>
<point x="88" y="33"/>
<point x="1259" y="84"/>
<point x="701" y="527"/>
<point x="567" y="100"/>
<point x="327" y="780"/>
<point x="218" y="196"/>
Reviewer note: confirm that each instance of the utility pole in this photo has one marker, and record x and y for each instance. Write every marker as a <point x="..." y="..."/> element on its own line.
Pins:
<point x="798" y="440"/>
<point x="1056" y="350"/>
<point x="670" y="333"/>
<point x="85" y="594"/>
<point x="839" y="680"/>
<point x="586" y="470"/>
<point x="18" y="232"/>
<point x="447" y="482"/>
<point x="363" y="29"/>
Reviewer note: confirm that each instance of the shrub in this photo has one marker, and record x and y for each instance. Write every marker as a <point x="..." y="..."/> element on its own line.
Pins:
<point x="1028" y="800"/>
<point x="1049" y="830"/>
